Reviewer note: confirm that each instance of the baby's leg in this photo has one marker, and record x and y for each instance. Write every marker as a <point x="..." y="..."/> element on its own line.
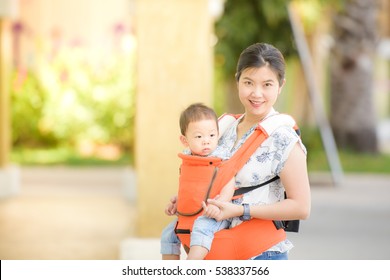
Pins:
<point x="202" y="236"/>
<point x="170" y="243"/>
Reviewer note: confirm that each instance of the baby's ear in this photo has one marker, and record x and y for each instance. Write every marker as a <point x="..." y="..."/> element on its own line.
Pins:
<point x="183" y="140"/>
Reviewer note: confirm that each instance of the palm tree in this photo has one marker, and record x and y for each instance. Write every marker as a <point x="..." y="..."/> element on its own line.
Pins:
<point x="352" y="115"/>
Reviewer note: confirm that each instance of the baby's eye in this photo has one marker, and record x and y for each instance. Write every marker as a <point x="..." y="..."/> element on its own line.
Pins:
<point x="198" y="136"/>
<point x="213" y="135"/>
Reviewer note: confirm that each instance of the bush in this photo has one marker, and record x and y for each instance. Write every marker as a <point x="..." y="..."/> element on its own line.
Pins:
<point x="67" y="101"/>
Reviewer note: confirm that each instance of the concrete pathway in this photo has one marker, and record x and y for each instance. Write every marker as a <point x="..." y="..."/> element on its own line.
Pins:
<point x="350" y="221"/>
<point x="64" y="213"/>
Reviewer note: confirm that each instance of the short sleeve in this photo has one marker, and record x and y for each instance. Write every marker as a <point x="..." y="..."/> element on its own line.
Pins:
<point x="281" y="143"/>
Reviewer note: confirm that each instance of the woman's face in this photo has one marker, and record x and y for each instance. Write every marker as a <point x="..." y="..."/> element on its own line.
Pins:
<point x="258" y="90"/>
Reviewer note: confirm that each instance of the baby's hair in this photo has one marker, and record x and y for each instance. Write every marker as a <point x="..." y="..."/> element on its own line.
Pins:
<point x="196" y="112"/>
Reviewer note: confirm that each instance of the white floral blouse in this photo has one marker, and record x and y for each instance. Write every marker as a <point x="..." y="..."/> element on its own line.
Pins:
<point x="266" y="163"/>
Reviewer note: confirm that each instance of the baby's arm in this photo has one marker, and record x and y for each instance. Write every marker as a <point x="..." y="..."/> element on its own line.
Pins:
<point x="211" y="211"/>
<point x="227" y="191"/>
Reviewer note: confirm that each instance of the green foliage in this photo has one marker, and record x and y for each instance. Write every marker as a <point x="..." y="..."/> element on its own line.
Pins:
<point x="247" y="22"/>
<point x="68" y="101"/>
<point x="351" y="162"/>
<point x="28" y="101"/>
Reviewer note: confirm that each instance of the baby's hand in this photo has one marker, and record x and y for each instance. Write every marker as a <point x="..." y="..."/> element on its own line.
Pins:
<point x="171" y="208"/>
<point x="210" y="211"/>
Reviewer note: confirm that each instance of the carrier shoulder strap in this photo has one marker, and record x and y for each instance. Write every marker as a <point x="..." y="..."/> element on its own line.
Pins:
<point x="269" y="125"/>
<point x="262" y="132"/>
<point x="226" y="120"/>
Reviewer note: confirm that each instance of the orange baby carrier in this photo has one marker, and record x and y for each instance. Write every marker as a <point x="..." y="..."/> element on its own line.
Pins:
<point x="204" y="177"/>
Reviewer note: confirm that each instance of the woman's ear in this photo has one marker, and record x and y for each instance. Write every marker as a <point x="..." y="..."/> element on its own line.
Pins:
<point x="183" y="140"/>
<point x="282" y="85"/>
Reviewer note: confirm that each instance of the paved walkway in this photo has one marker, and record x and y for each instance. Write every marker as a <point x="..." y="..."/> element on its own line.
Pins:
<point x="350" y="221"/>
<point x="64" y="213"/>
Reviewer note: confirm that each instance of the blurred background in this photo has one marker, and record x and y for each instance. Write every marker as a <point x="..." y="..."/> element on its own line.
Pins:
<point x="91" y="91"/>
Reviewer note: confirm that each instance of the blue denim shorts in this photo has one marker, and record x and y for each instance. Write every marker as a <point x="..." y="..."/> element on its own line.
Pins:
<point x="170" y="243"/>
<point x="202" y="235"/>
<point x="204" y="230"/>
<point x="272" y="255"/>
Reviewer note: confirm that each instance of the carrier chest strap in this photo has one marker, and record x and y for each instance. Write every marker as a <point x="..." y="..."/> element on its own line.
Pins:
<point x="241" y="191"/>
<point x="290" y="225"/>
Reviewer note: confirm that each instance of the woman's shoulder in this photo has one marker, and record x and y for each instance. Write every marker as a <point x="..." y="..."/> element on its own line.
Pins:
<point x="287" y="131"/>
<point x="287" y="136"/>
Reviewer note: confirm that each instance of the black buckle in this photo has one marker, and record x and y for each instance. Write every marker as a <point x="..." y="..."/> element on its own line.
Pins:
<point x="182" y="231"/>
<point x="290" y="226"/>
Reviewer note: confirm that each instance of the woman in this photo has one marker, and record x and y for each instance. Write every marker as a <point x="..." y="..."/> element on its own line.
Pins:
<point x="260" y="78"/>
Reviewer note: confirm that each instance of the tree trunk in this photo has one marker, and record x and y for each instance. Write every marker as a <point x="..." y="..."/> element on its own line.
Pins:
<point x="353" y="117"/>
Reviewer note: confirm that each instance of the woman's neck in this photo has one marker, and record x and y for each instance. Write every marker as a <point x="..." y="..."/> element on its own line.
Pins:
<point x="248" y="121"/>
<point x="251" y="120"/>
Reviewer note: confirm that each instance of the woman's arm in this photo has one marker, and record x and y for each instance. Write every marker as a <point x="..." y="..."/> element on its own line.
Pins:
<point x="295" y="180"/>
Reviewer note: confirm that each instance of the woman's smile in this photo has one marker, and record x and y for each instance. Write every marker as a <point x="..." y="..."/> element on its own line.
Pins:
<point x="256" y="103"/>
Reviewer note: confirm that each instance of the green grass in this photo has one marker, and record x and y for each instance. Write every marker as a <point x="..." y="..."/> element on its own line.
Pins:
<point x="351" y="162"/>
<point x="63" y="156"/>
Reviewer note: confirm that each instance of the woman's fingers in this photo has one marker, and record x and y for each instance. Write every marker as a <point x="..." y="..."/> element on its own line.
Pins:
<point x="215" y="202"/>
<point x="170" y="209"/>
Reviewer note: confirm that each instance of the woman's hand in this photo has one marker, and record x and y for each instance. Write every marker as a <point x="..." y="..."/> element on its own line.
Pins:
<point x="226" y="209"/>
<point x="171" y="208"/>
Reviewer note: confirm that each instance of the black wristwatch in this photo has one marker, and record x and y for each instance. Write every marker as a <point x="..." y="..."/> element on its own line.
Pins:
<point x="246" y="216"/>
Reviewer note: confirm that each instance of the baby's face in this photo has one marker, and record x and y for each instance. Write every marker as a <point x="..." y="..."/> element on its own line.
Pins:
<point x="202" y="137"/>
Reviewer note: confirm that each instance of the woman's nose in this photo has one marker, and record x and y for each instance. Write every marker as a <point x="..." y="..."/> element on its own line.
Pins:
<point x="258" y="91"/>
